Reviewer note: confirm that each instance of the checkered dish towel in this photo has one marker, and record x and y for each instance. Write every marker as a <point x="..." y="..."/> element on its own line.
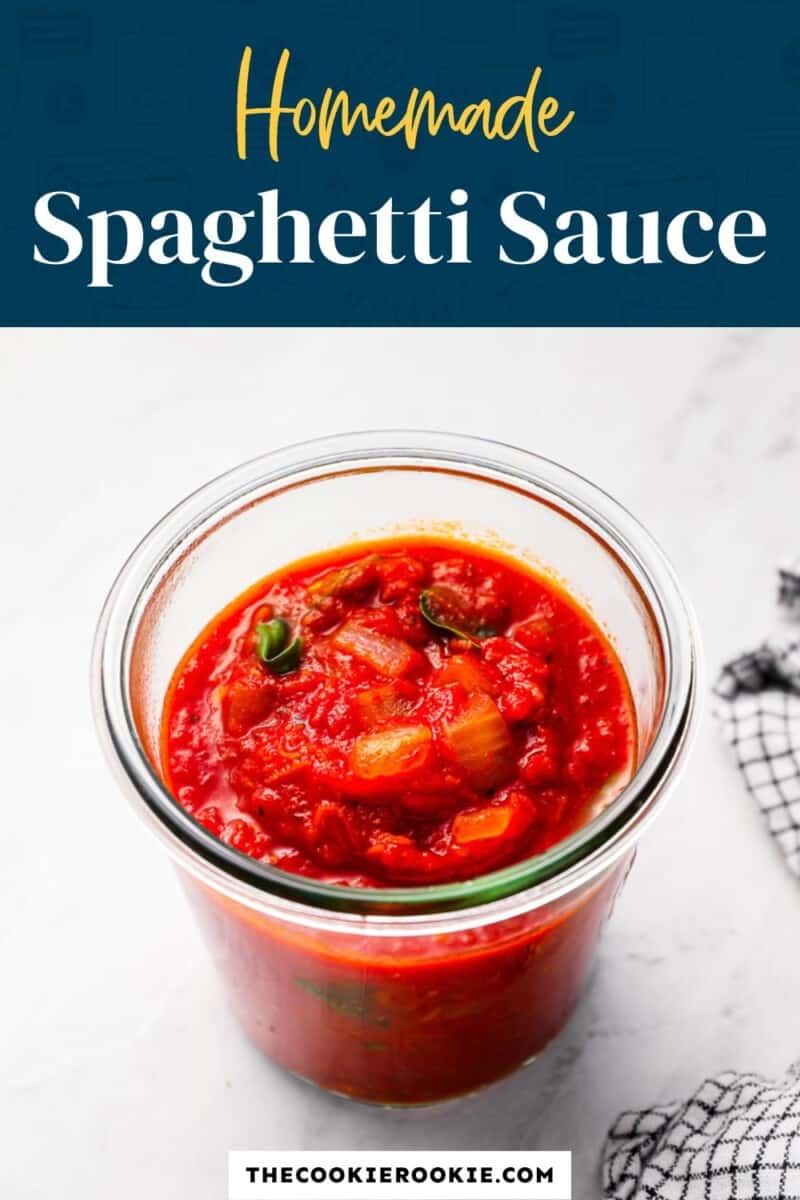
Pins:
<point x="738" y="1136"/>
<point x="758" y="703"/>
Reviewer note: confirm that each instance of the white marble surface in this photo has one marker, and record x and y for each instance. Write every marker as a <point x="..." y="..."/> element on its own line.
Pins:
<point x="119" y="1060"/>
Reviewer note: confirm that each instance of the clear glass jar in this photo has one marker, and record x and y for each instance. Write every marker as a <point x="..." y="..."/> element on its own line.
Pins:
<point x="398" y="995"/>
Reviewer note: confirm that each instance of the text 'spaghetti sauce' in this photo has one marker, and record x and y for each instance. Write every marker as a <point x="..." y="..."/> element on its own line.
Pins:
<point x="400" y="714"/>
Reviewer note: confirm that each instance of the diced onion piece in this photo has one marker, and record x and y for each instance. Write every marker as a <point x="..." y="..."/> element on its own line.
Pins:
<point x="382" y="703"/>
<point x="391" y="754"/>
<point x="387" y="655"/>
<point x="483" y="834"/>
<point x="466" y="670"/>
<point x="482" y="824"/>
<point x="479" y="741"/>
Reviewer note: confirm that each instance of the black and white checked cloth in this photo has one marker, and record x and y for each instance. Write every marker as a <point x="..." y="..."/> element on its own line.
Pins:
<point x="738" y="1136"/>
<point x="758" y="704"/>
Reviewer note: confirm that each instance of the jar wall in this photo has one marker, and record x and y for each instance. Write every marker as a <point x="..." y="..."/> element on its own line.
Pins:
<point x="411" y="1019"/>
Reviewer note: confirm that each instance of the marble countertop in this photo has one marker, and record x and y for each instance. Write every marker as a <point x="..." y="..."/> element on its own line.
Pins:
<point x="121" y="1069"/>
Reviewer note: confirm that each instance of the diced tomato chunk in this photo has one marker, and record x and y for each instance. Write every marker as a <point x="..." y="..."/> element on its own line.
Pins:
<point x="398" y="856"/>
<point x="334" y="834"/>
<point x="484" y="593"/>
<point x="242" y="836"/>
<point x="551" y="806"/>
<point x="245" y="703"/>
<point x="538" y="631"/>
<point x="596" y="752"/>
<point x="539" y="764"/>
<point x="324" y="613"/>
<point x="211" y="819"/>
<point x="525" y="679"/>
<point x="401" y="575"/>
<point x="353" y="580"/>
<point x="412" y="626"/>
<point x="521" y="702"/>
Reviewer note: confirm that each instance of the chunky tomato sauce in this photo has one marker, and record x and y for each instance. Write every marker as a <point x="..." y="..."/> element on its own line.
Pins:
<point x="397" y="714"/>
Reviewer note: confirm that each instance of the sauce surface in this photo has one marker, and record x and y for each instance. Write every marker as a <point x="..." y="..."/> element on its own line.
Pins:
<point x="402" y="713"/>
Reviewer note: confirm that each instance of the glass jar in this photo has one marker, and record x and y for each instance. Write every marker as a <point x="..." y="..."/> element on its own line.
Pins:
<point x="399" y="995"/>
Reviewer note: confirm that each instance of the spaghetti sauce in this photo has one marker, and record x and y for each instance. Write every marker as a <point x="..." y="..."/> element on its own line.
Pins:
<point x="393" y="715"/>
<point x="427" y="713"/>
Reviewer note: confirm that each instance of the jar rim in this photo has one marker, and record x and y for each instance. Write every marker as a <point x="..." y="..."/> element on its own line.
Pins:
<point x="498" y="894"/>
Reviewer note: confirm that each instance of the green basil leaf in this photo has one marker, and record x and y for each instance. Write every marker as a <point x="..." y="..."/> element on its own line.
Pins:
<point x="443" y="608"/>
<point x="288" y="659"/>
<point x="349" y="999"/>
<point x="271" y="638"/>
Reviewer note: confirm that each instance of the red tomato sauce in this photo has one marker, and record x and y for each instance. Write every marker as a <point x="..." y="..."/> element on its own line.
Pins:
<point x="413" y="1019"/>
<point x="402" y="713"/>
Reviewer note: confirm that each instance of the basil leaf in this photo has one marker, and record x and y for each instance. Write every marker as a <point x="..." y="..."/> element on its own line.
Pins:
<point x="288" y="659"/>
<point x="271" y="638"/>
<point x="349" y="999"/>
<point x="443" y="608"/>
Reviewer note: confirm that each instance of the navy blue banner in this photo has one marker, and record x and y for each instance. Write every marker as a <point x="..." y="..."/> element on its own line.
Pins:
<point x="241" y="162"/>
